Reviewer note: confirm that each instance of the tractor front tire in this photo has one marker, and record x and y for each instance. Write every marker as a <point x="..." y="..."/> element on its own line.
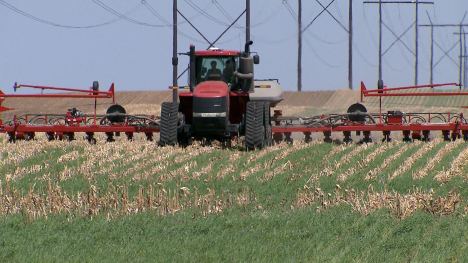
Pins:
<point x="254" y="126"/>
<point x="168" y="123"/>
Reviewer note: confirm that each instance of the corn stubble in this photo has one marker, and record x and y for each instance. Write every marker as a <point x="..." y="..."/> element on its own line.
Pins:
<point x="365" y="162"/>
<point x="115" y="202"/>
<point x="456" y="168"/>
<point x="432" y="162"/>
<point x="367" y="202"/>
<point x="408" y="162"/>
<point x="141" y="160"/>
<point x="372" y="175"/>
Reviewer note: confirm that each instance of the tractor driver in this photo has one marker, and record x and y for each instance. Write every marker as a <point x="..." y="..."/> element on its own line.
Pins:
<point x="213" y="71"/>
<point x="228" y="72"/>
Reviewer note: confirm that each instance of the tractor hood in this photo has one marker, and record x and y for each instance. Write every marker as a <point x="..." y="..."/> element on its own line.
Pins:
<point x="211" y="89"/>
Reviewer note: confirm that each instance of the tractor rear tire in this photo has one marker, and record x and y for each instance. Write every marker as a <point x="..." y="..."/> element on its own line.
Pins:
<point x="168" y="123"/>
<point x="268" y="136"/>
<point x="255" y="126"/>
<point x="267" y="121"/>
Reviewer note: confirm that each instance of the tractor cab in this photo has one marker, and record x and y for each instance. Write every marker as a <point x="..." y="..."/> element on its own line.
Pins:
<point x="235" y="68"/>
<point x="215" y="65"/>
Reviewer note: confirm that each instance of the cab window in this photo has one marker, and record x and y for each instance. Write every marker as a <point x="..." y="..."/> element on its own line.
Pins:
<point x="215" y="68"/>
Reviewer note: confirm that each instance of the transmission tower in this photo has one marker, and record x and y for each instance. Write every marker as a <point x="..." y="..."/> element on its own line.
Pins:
<point x="348" y="30"/>
<point x="398" y="38"/>
<point x="460" y="32"/>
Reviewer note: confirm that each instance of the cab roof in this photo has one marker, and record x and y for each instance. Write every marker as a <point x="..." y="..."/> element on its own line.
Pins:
<point x="214" y="53"/>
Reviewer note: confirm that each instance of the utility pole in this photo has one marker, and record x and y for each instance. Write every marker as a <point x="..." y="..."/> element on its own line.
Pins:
<point x="461" y="50"/>
<point x="416" y="51"/>
<point x="465" y="68"/>
<point x="350" y="45"/>
<point x="174" y="52"/>
<point x="247" y="21"/>
<point x="416" y="59"/>
<point x="299" y="46"/>
<point x="463" y="59"/>
<point x="380" y="39"/>
<point x="465" y="76"/>
<point x="431" y="75"/>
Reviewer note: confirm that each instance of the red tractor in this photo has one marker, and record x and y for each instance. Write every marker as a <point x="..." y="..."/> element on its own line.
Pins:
<point x="224" y="101"/>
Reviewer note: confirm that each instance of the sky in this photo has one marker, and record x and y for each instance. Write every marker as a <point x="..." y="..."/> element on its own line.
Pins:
<point x="72" y="43"/>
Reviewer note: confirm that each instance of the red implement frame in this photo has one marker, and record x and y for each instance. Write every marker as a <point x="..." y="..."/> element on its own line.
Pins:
<point x="91" y="93"/>
<point x="453" y="129"/>
<point x="385" y="91"/>
<point x="18" y="130"/>
<point x="23" y="131"/>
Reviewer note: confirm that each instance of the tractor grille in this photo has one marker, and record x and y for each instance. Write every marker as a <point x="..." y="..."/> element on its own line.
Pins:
<point x="209" y="105"/>
<point x="210" y="116"/>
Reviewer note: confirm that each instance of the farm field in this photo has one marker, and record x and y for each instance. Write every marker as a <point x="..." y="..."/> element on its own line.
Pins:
<point x="122" y="201"/>
<point x="72" y="201"/>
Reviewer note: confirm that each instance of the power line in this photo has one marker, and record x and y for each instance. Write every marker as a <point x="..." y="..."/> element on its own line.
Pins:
<point x="168" y="24"/>
<point x="355" y="47"/>
<point x="109" y="9"/>
<point x="394" y="68"/>
<point x="261" y="10"/>
<point x="262" y="7"/>
<point x="290" y="10"/>
<point x="268" y="18"/>
<point x="368" y="27"/>
<point x="322" y="59"/>
<point x="205" y="14"/>
<point x="155" y="13"/>
<point x="276" y="40"/>
<point x="325" y="41"/>
<point x="402" y="26"/>
<point x="228" y="40"/>
<point x="226" y="14"/>
<point x="221" y="9"/>
<point x="198" y="14"/>
<point x="11" y="7"/>
<point x="338" y="10"/>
